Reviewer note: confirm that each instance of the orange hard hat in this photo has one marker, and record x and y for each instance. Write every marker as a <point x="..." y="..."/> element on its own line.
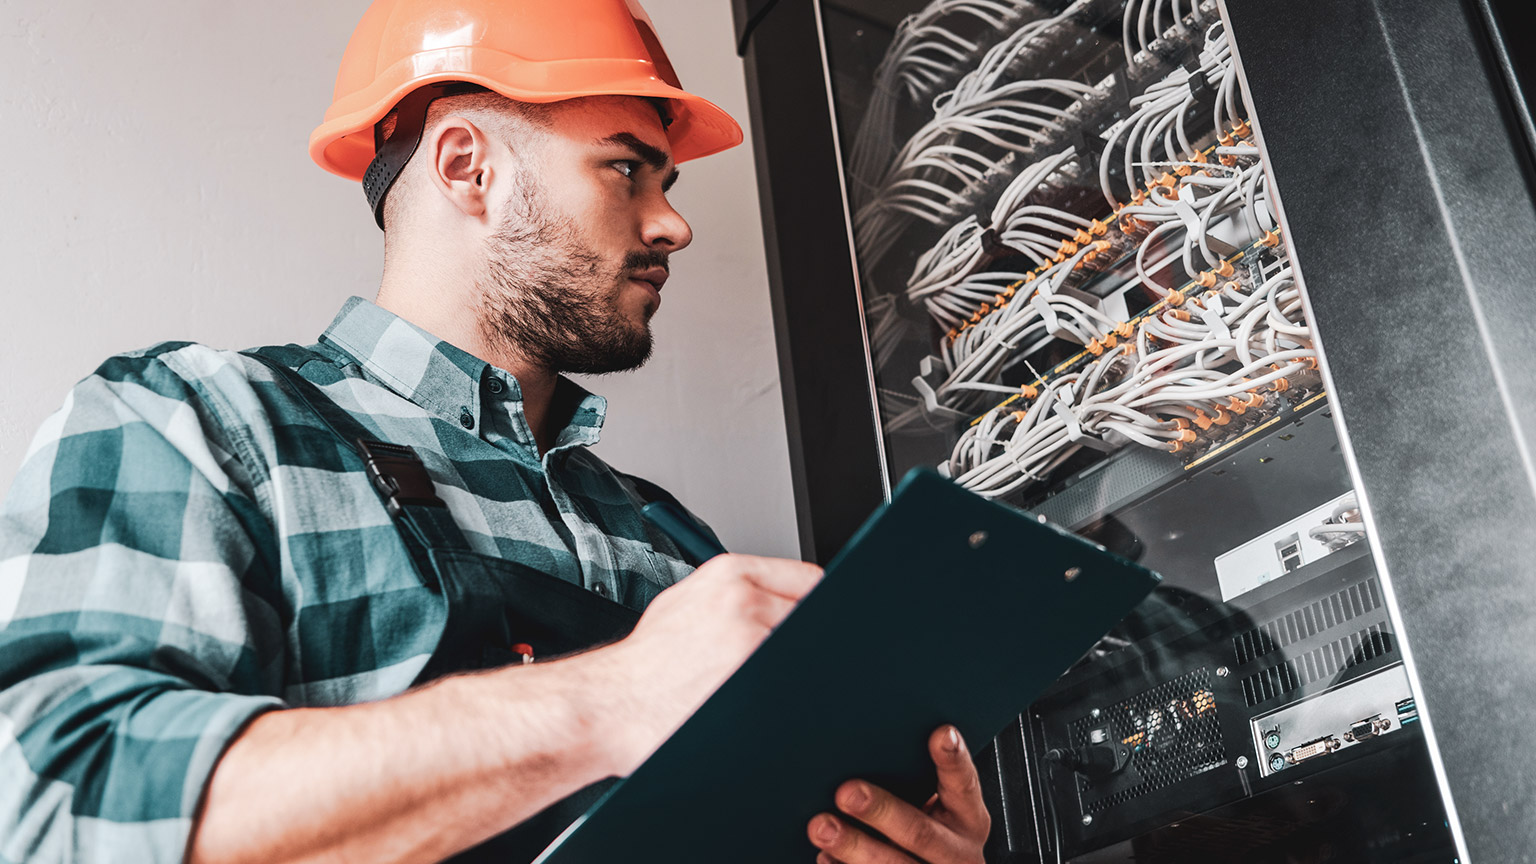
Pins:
<point x="528" y="50"/>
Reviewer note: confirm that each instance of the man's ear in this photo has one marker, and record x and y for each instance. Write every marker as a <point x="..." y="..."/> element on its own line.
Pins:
<point x="460" y="164"/>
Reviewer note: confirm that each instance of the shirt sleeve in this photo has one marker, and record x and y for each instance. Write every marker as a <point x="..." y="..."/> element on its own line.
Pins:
<point x="137" y="628"/>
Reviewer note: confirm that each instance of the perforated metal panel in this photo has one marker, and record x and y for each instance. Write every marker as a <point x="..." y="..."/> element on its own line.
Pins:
<point x="1168" y="734"/>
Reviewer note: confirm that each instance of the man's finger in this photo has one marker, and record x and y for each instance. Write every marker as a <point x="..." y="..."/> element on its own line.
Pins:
<point x="907" y="827"/>
<point x="770" y="609"/>
<point x="959" y="786"/>
<point x="790" y="579"/>
<point x="847" y="844"/>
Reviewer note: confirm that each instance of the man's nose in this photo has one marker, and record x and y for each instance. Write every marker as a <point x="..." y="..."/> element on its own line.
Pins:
<point x="665" y="228"/>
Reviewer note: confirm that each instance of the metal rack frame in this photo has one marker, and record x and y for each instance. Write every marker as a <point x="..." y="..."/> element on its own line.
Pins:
<point x="1424" y="262"/>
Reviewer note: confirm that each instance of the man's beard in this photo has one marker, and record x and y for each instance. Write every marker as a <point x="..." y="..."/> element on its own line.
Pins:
<point x="547" y="296"/>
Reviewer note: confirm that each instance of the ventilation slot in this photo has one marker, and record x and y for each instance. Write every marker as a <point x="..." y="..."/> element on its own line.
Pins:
<point x="1318" y="664"/>
<point x="1308" y="621"/>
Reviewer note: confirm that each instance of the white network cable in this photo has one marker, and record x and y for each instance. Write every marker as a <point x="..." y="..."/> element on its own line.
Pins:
<point x="1034" y="231"/>
<point x="926" y="52"/>
<point x="1215" y="358"/>
<point x="1144" y="22"/>
<point x="1155" y="133"/>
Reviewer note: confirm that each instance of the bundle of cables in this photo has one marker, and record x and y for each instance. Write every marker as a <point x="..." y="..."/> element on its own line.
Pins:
<point x="983" y="118"/>
<point x="926" y="56"/>
<point x="1195" y="370"/>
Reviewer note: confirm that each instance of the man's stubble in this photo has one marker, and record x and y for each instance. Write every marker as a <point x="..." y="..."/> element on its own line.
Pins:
<point x="550" y="298"/>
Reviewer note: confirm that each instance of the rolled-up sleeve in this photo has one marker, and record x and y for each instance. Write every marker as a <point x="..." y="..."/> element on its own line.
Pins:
<point x="138" y="628"/>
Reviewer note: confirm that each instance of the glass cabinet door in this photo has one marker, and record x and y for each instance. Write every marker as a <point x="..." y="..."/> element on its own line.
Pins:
<point x="1079" y="300"/>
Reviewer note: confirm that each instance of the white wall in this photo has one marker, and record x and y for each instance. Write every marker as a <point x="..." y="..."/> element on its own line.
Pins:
<point x="154" y="185"/>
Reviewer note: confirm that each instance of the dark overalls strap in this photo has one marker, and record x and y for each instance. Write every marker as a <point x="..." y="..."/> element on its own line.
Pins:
<point x="492" y="602"/>
<point x="395" y="471"/>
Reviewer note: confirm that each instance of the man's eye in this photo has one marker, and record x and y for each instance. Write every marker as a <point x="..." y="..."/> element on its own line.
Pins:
<point x="627" y="168"/>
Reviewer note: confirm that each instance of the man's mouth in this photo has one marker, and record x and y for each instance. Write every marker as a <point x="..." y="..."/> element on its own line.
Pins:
<point x="654" y="276"/>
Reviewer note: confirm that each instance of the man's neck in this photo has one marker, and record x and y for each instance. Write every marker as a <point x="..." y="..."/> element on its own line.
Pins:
<point x="450" y="314"/>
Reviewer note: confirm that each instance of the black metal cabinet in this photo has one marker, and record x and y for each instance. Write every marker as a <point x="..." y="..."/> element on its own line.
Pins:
<point x="1243" y="292"/>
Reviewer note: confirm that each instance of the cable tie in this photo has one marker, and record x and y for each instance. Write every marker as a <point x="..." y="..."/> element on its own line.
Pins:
<point x="992" y="245"/>
<point x="1211" y="315"/>
<point x="1048" y="314"/>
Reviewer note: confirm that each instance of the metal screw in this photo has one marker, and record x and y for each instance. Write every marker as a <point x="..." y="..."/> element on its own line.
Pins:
<point x="978" y="539"/>
<point x="1095" y="713"/>
<point x="1222" y="672"/>
<point x="1073" y="573"/>
<point x="1087" y="820"/>
<point x="1242" y="761"/>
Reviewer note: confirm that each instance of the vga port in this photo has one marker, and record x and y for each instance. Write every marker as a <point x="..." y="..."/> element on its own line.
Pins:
<point x="1370" y="727"/>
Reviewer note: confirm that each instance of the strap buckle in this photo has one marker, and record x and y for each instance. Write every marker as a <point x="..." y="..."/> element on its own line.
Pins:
<point x="398" y="475"/>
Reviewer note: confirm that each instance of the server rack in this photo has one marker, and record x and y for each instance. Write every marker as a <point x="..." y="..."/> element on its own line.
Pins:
<point x="1339" y="668"/>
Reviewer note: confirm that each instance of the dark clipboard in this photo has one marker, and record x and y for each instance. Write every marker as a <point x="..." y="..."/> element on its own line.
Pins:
<point x="944" y="608"/>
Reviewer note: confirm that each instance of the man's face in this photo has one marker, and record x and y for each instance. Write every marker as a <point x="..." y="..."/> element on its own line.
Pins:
<point x="574" y="272"/>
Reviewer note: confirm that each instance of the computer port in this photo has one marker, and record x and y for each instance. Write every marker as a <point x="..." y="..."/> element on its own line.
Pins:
<point x="1368" y="728"/>
<point x="1313" y="749"/>
<point x="1272" y="739"/>
<point x="1277" y="762"/>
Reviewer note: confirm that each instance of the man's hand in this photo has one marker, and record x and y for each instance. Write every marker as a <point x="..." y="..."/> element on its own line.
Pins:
<point x="950" y="829"/>
<point x="690" y="639"/>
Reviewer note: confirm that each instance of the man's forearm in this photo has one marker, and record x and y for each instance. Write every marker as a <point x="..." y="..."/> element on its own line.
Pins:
<point x="414" y="778"/>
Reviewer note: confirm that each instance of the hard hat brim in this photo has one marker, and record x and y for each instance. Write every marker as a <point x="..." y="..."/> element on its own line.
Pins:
<point x="343" y="144"/>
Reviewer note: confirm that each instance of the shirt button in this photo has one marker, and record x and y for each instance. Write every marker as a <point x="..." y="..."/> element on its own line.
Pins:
<point x="466" y="419"/>
<point x="601" y="589"/>
<point x="494" y="385"/>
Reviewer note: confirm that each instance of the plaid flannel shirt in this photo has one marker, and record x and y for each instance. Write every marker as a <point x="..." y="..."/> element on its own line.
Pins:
<point x="184" y="548"/>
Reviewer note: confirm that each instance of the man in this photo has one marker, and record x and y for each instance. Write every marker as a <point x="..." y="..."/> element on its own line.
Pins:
<point x="281" y="605"/>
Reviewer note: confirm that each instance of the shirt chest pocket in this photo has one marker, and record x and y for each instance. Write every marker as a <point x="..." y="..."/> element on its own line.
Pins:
<point x="495" y="604"/>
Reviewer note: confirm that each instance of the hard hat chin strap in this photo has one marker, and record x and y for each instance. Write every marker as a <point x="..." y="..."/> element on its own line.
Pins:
<point x="392" y="155"/>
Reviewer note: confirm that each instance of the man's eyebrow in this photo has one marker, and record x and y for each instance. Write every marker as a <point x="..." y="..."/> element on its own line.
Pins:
<point x="651" y="156"/>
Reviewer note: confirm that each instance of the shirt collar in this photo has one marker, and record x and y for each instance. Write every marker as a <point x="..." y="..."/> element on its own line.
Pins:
<point x="445" y="379"/>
